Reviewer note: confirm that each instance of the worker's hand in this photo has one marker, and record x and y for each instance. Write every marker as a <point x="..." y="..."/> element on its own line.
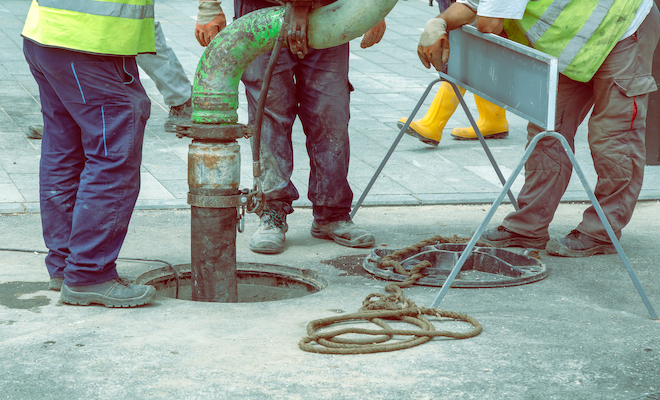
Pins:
<point x="210" y="21"/>
<point x="433" y="47"/>
<point x="373" y="36"/>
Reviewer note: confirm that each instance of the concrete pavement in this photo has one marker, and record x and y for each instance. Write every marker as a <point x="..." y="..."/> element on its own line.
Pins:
<point x="581" y="333"/>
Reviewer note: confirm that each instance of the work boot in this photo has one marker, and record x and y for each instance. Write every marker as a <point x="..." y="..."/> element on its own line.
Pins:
<point x="55" y="284"/>
<point x="35" y="132"/>
<point x="429" y="129"/>
<point x="179" y="115"/>
<point x="491" y="123"/>
<point x="577" y="244"/>
<point x="502" y="237"/>
<point x="269" y="237"/>
<point x="116" y="292"/>
<point x="346" y="233"/>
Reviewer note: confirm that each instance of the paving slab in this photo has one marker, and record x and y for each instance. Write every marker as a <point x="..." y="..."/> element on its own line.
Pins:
<point x="388" y="78"/>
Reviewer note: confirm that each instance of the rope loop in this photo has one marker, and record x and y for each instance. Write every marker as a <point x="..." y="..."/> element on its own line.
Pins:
<point x="378" y="308"/>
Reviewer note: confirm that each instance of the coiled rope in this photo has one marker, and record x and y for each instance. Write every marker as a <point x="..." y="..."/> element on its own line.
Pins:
<point x="378" y="308"/>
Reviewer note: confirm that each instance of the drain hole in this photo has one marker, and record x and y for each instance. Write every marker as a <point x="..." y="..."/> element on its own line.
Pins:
<point x="256" y="282"/>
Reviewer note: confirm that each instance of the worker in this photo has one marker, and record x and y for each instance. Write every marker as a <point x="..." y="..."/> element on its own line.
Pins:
<point x="316" y="89"/>
<point x="167" y="73"/>
<point x="492" y="121"/>
<point x="605" y="54"/>
<point x="95" y="111"/>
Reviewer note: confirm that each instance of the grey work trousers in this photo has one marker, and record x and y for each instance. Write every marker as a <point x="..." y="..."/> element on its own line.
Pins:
<point x="316" y="90"/>
<point x="619" y="94"/>
<point x="166" y="71"/>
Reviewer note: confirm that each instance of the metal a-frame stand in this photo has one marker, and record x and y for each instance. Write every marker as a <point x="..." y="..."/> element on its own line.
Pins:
<point x="523" y="81"/>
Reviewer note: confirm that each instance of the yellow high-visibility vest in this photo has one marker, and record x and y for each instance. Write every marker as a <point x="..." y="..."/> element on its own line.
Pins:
<point x="580" y="33"/>
<point x="113" y="27"/>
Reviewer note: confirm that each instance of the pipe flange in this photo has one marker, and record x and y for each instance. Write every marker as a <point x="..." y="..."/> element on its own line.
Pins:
<point x="238" y="200"/>
<point x="222" y="132"/>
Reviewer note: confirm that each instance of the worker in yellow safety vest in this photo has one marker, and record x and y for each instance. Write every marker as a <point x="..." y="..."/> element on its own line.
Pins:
<point x="605" y="52"/>
<point x="82" y="55"/>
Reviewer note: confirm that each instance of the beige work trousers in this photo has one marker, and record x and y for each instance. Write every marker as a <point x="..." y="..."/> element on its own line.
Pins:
<point x="619" y="94"/>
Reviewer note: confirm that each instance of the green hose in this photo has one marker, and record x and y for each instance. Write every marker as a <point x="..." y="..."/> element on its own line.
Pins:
<point x="215" y="89"/>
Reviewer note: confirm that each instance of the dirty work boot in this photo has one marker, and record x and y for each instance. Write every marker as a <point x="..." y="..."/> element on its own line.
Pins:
<point x="179" y="115"/>
<point x="346" y="233"/>
<point x="577" y="244"/>
<point x="269" y="237"/>
<point x="491" y="123"/>
<point x="116" y="292"/>
<point x="55" y="284"/>
<point x="429" y="129"/>
<point x="502" y="237"/>
<point x="35" y="132"/>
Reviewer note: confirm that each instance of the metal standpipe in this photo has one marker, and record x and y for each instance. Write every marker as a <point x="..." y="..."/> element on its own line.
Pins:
<point x="213" y="158"/>
<point x="213" y="172"/>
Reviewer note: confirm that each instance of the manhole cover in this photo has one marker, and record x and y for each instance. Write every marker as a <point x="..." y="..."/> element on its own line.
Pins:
<point x="485" y="267"/>
<point x="256" y="282"/>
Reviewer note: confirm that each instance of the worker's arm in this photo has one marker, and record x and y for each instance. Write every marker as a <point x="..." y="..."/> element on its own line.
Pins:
<point x="490" y="25"/>
<point x="458" y="15"/>
<point x="374" y="35"/>
<point x="433" y="47"/>
<point x="210" y="21"/>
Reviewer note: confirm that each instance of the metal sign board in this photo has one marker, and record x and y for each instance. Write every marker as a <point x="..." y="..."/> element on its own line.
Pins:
<point x="519" y="78"/>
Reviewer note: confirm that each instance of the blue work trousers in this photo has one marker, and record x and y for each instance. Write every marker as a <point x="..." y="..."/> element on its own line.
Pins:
<point x="95" y="111"/>
<point x="315" y="89"/>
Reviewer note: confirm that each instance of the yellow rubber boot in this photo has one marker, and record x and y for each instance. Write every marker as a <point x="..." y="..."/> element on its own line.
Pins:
<point x="429" y="129"/>
<point x="492" y="122"/>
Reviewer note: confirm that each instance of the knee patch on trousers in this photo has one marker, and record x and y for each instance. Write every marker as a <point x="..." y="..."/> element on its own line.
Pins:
<point x="547" y="156"/>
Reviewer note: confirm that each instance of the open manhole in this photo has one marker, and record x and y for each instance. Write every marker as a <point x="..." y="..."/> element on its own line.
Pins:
<point x="485" y="267"/>
<point x="256" y="282"/>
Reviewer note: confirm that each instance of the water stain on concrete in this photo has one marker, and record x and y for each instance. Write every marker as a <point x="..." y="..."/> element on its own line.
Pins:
<point x="11" y="293"/>
<point x="350" y="265"/>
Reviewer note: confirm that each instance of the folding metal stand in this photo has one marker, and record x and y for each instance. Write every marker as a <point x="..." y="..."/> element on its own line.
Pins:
<point x="403" y="131"/>
<point x="523" y="81"/>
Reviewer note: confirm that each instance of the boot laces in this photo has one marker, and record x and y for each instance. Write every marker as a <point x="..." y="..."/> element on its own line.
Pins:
<point x="274" y="219"/>
<point x="575" y="234"/>
<point x="122" y="281"/>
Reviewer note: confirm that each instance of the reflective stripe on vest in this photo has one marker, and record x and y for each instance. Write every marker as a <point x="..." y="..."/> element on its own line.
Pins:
<point x="580" y="33"/>
<point x="113" y="27"/>
<point x="103" y="8"/>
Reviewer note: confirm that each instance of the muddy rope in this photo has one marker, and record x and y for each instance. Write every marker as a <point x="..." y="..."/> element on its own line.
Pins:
<point x="378" y="308"/>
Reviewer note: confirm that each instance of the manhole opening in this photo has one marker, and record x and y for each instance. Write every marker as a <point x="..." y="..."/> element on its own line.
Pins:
<point x="256" y="282"/>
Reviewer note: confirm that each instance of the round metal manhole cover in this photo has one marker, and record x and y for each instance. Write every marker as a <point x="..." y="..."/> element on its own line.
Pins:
<point x="485" y="267"/>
